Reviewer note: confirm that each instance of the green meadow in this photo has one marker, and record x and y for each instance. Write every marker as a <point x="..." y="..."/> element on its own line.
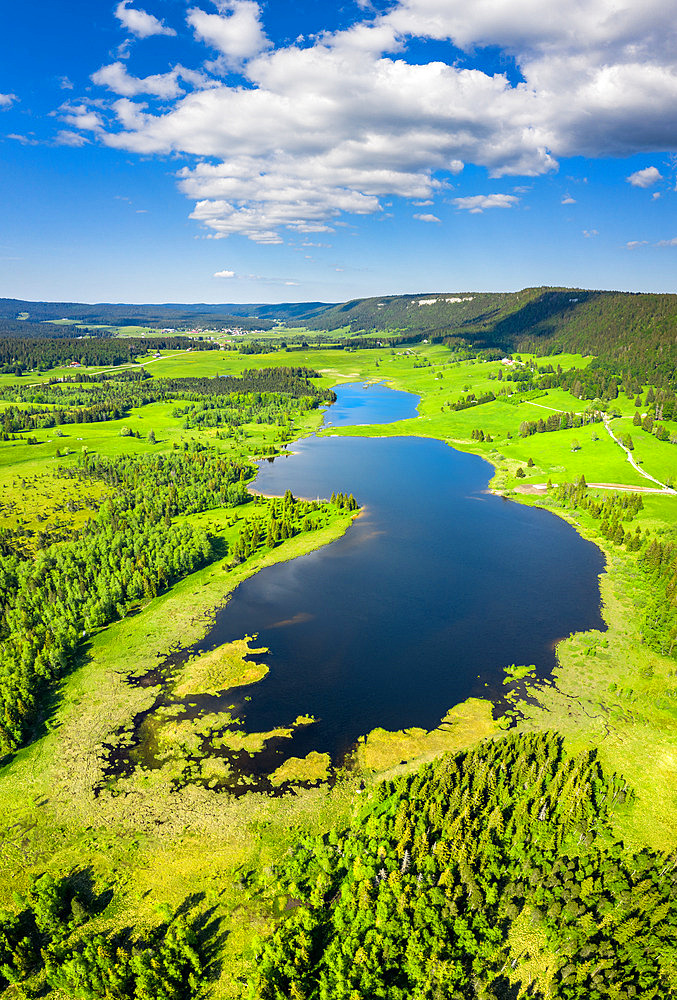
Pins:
<point x="63" y="808"/>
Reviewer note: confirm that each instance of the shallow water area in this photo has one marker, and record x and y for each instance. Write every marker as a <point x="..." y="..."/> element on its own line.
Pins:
<point x="433" y="591"/>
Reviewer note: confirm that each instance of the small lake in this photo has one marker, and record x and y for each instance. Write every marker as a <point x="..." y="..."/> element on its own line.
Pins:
<point x="435" y="588"/>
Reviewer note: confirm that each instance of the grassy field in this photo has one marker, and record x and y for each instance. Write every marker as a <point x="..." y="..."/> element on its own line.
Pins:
<point x="62" y="810"/>
<point x="29" y="470"/>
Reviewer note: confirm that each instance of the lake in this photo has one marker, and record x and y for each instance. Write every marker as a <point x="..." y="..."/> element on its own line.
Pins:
<point x="433" y="591"/>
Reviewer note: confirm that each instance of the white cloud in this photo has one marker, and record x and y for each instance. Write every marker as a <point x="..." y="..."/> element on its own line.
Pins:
<point x="337" y="123"/>
<point x="667" y="243"/>
<point x="656" y="195"/>
<point x="6" y="100"/>
<point x="224" y="274"/>
<point x="65" y="83"/>
<point x="633" y="244"/>
<point x="568" y="200"/>
<point x="426" y="217"/>
<point x="166" y="85"/>
<point x="139" y="23"/>
<point x="25" y="140"/>
<point x="66" y="138"/>
<point x="477" y="203"/>
<point x="644" y="178"/>
<point x="81" y="116"/>
<point x="590" y="233"/>
<point x="235" y="31"/>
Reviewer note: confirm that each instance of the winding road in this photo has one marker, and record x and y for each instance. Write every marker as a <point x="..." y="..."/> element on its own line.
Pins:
<point x="606" y="420"/>
<point x="633" y="463"/>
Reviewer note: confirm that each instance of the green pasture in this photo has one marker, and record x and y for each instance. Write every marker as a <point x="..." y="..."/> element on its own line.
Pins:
<point x="426" y="370"/>
<point x="140" y="331"/>
<point x="386" y="362"/>
<point x="659" y="458"/>
<point x="34" y="498"/>
<point x="62" y="811"/>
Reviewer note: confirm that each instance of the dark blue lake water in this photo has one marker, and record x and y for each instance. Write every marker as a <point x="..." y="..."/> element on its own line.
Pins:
<point x="435" y="588"/>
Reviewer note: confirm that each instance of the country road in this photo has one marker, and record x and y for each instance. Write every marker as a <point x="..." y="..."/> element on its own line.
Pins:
<point x="633" y="463"/>
<point x="134" y="364"/>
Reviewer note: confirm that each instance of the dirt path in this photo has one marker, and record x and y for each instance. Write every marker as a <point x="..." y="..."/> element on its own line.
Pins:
<point x="121" y="368"/>
<point x="543" y="406"/>
<point x="633" y="463"/>
<point x="538" y="489"/>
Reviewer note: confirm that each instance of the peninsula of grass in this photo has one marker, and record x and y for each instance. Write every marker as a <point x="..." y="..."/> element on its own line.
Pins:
<point x="384" y="753"/>
<point x="311" y="769"/>
<point x="219" y="669"/>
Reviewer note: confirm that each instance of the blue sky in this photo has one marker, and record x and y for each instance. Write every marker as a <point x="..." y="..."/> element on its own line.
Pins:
<point x="158" y="150"/>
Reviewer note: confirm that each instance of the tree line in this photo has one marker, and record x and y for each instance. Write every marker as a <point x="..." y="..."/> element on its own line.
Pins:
<point x="657" y="560"/>
<point x="130" y="549"/>
<point x="417" y="898"/>
<point x="260" y="396"/>
<point x="286" y="518"/>
<point x="559" y="422"/>
<point x="48" y="945"/>
<point x="19" y="355"/>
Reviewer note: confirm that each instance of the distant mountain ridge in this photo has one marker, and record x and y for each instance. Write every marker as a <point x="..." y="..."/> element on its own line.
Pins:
<point x="155" y="314"/>
<point x="634" y="330"/>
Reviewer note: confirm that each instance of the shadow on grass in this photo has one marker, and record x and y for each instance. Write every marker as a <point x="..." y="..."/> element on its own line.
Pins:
<point x="49" y="697"/>
<point x="47" y="704"/>
<point x="80" y="884"/>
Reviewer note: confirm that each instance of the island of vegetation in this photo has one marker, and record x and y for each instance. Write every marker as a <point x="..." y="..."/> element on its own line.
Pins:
<point x="522" y="848"/>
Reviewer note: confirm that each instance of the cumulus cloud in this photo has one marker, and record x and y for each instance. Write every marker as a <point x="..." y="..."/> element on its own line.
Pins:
<point x="166" y="85"/>
<point x="236" y="31"/>
<point x="426" y="218"/>
<point x="590" y="233"/>
<point x="477" y="203"/>
<point x="633" y="244"/>
<point x="337" y="123"/>
<point x="644" y="178"/>
<point x="140" y="23"/>
<point x="82" y="116"/>
<point x="224" y="274"/>
<point x="568" y="200"/>
<point x="667" y="243"/>
<point x="6" y="100"/>
<point x="66" y="138"/>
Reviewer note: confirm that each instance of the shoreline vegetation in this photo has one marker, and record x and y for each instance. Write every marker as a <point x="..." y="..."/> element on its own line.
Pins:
<point x="148" y="838"/>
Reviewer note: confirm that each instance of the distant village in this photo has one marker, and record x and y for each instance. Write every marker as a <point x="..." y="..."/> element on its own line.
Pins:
<point x="209" y="334"/>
